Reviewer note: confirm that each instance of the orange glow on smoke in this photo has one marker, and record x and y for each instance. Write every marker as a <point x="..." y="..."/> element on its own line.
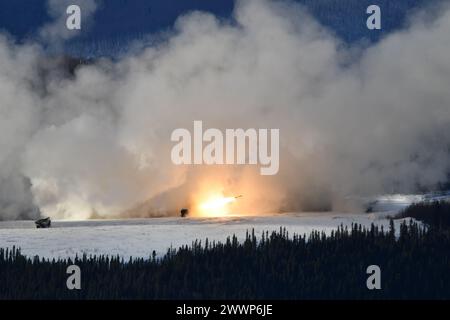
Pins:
<point x="216" y="206"/>
<point x="231" y="191"/>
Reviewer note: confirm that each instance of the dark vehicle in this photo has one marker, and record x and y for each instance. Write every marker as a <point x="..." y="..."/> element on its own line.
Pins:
<point x="184" y="212"/>
<point x="43" y="223"/>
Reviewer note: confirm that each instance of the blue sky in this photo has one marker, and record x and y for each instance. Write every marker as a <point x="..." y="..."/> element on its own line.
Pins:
<point x="120" y="21"/>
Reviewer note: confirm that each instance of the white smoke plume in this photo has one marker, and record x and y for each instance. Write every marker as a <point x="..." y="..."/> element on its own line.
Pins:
<point x="352" y="120"/>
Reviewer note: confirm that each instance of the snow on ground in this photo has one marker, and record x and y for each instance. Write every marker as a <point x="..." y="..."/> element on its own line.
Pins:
<point x="138" y="238"/>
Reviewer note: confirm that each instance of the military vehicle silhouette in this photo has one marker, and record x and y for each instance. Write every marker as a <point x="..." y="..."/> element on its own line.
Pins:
<point x="184" y="212"/>
<point x="43" y="223"/>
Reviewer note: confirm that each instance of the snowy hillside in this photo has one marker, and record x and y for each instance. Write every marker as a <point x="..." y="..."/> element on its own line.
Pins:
<point x="138" y="238"/>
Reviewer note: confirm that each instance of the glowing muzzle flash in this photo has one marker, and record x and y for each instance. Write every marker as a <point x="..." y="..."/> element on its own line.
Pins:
<point x="217" y="206"/>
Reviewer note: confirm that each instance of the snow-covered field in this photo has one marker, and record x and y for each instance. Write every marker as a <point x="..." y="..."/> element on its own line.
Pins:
<point x="138" y="238"/>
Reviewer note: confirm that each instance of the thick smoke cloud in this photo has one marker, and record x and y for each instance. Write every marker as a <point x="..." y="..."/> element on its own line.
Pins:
<point x="96" y="143"/>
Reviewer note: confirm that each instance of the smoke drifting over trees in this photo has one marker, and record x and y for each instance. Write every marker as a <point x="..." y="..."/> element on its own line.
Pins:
<point x="351" y="119"/>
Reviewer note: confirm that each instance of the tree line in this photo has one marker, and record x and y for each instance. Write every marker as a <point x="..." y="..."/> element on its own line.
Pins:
<point x="436" y="214"/>
<point x="414" y="265"/>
